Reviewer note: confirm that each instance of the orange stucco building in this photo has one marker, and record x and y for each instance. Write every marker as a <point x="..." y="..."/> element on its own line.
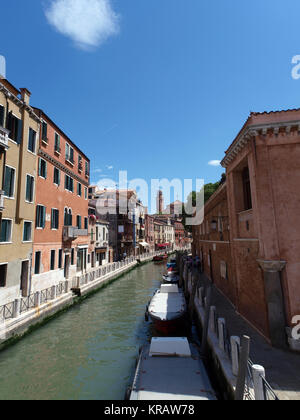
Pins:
<point x="250" y="238"/>
<point x="61" y="240"/>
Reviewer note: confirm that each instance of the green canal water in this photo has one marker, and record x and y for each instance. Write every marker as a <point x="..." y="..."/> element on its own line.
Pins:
<point x="88" y="352"/>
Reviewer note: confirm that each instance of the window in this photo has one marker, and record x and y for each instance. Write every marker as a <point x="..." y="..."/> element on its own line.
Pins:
<point x="57" y="143"/>
<point x="78" y="222"/>
<point x="2" y="113"/>
<point x="68" y="217"/>
<point x="69" y="183"/>
<point x="247" y="189"/>
<point x="31" y="140"/>
<point x="54" y="219"/>
<point x="6" y="231"/>
<point x="52" y="260"/>
<point x="15" y="126"/>
<point x="42" y="168"/>
<point x="9" y="182"/>
<point x="40" y="217"/>
<point x="86" y="223"/>
<point x="60" y="258"/>
<point x="56" y="176"/>
<point x="87" y="172"/>
<point x="37" y="262"/>
<point x="79" y="189"/>
<point x="45" y="132"/>
<point x="79" y="163"/>
<point x="29" y="188"/>
<point x="69" y="153"/>
<point x="27" y="232"/>
<point x="72" y="256"/>
<point x="3" y="274"/>
<point x="85" y="193"/>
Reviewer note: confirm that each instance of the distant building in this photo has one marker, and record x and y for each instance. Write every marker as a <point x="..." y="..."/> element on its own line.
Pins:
<point x="160" y="202"/>
<point x="126" y="216"/>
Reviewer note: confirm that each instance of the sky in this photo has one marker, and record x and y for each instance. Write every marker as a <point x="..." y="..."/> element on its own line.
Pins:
<point x="157" y="88"/>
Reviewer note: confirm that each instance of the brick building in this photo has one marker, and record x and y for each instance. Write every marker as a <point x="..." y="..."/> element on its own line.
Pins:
<point x="256" y="262"/>
<point x="61" y="227"/>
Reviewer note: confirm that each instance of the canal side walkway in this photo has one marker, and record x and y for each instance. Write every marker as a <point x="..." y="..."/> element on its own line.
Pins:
<point x="282" y="367"/>
<point x="19" y="317"/>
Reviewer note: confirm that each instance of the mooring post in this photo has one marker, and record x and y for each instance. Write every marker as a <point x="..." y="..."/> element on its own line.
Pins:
<point x="243" y="368"/>
<point x="206" y="321"/>
<point x="259" y="375"/>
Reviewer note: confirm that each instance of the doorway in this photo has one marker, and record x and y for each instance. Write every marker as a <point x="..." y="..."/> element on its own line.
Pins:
<point x="24" y="278"/>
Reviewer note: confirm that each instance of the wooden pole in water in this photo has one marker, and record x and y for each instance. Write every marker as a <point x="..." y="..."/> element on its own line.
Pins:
<point x="243" y="367"/>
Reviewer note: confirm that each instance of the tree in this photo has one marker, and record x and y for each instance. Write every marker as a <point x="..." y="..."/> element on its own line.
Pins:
<point x="209" y="189"/>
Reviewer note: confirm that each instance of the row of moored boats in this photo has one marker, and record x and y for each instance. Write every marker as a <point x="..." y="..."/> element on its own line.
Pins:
<point x="169" y="367"/>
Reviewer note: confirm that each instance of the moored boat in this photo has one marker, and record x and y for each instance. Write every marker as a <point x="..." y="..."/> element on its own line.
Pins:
<point x="167" y="309"/>
<point x="171" y="277"/>
<point x="170" y="369"/>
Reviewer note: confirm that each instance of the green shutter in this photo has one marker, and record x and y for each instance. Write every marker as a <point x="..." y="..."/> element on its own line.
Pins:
<point x="1" y="116"/>
<point x="19" y="131"/>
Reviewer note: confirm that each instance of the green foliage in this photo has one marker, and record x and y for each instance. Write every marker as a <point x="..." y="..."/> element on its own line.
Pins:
<point x="209" y="189"/>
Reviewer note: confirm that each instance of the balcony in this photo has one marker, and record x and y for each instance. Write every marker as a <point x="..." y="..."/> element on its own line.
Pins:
<point x="1" y="200"/>
<point x="71" y="233"/>
<point x="4" y="138"/>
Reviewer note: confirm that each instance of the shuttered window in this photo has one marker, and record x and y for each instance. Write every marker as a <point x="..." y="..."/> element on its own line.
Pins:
<point x="31" y="140"/>
<point x="9" y="181"/>
<point x="2" y="111"/>
<point x="56" y="176"/>
<point x="45" y="131"/>
<point x="29" y="188"/>
<point x="15" y="126"/>
<point x="54" y="219"/>
<point x="27" y="232"/>
<point x="40" y="216"/>
<point x="42" y="168"/>
<point x="6" y="230"/>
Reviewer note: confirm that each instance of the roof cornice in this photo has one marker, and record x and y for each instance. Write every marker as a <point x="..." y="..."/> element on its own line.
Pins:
<point x="253" y="131"/>
<point x="19" y="102"/>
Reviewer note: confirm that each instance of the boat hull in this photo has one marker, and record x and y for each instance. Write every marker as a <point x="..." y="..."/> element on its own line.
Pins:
<point x="169" y="327"/>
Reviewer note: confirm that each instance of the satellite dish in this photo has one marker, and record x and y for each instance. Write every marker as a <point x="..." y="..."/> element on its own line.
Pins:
<point x="2" y="67"/>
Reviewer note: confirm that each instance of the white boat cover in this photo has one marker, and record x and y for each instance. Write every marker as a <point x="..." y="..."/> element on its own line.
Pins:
<point x="167" y="306"/>
<point x="170" y="346"/>
<point x="169" y="288"/>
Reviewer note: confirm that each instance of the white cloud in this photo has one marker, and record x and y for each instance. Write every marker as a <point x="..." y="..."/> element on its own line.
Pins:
<point x="98" y="171"/>
<point x="214" y="162"/>
<point x="109" y="167"/>
<point x="87" y="22"/>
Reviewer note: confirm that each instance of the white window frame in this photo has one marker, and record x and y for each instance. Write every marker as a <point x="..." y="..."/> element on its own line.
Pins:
<point x="36" y="140"/>
<point x="31" y="239"/>
<point x="52" y="208"/>
<point x="41" y="205"/>
<point x="58" y="176"/>
<point x="11" y="167"/>
<point x="33" y="193"/>
<point x="11" y="231"/>
<point x="40" y="176"/>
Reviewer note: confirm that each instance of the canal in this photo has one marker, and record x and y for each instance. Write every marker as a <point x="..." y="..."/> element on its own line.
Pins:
<point x="88" y="352"/>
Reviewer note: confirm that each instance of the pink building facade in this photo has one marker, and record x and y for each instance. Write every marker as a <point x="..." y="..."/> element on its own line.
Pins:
<point x="263" y="173"/>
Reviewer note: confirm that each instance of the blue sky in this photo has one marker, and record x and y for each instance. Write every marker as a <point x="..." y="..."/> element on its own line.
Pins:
<point x="155" y="87"/>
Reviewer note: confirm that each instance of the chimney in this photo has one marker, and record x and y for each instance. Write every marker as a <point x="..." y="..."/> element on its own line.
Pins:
<point x="25" y="94"/>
